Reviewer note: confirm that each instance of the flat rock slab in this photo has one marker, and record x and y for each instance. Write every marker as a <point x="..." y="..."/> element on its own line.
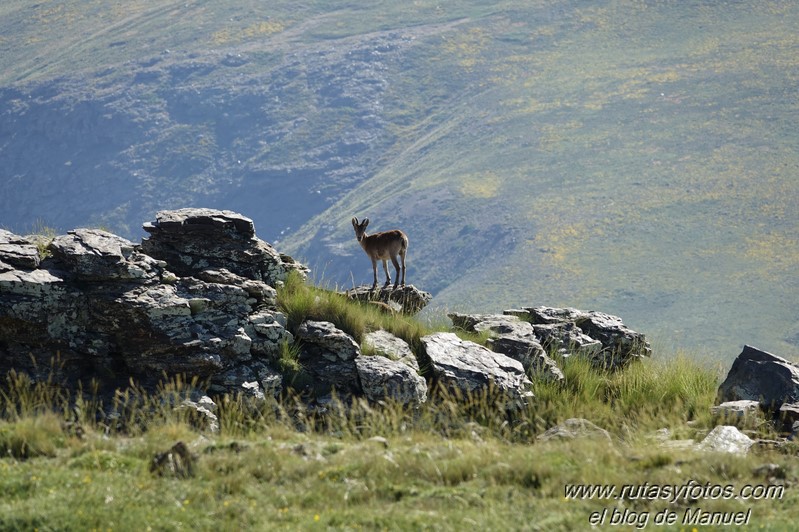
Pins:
<point x="406" y="299"/>
<point x="204" y="221"/>
<point x="468" y="368"/>
<point x="17" y="252"/>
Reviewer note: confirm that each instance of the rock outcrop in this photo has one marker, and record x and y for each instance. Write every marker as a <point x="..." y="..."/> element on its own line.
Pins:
<point x="760" y="376"/>
<point x="467" y="368"/>
<point x="405" y="299"/>
<point x="600" y="337"/>
<point x="196" y="240"/>
<point x="198" y="298"/>
<point x="513" y="337"/>
<point x="98" y="307"/>
<point x="329" y="355"/>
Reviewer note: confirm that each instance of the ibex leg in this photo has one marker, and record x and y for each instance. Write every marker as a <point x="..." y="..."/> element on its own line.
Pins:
<point x="397" y="272"/>
<point x="385" y="269"/>
<point x="374" y="271"/>
<point x="402" y="258"/>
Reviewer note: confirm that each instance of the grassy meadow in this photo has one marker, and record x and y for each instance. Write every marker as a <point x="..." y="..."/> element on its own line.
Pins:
<point x="453" y="464"/>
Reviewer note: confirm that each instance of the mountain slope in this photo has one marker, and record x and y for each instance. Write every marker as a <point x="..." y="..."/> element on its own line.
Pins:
<point x="640" y="161"/>
<point x="635" y="157"/>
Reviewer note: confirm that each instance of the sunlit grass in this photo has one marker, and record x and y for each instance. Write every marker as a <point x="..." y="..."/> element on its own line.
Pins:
<point x="458" y="461"/>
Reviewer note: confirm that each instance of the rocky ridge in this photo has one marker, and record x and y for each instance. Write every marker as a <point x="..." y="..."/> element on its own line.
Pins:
<point x="198" y="298"/>
<point x="96" y="306"/>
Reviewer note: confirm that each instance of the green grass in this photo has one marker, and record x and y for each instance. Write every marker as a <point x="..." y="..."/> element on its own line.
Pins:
<point x="301" y="301"/>
<point x="435" y="468"/>
<point x="454" y="463"/>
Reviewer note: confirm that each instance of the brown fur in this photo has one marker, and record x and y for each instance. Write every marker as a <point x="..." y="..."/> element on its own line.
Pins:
<point x="383" y="246"/>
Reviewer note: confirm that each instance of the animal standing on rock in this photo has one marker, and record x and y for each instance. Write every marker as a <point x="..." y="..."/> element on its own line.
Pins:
<point x="383" y="246"/>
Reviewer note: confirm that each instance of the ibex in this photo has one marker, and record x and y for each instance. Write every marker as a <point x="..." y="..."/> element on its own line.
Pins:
<point x="383" y="246"/>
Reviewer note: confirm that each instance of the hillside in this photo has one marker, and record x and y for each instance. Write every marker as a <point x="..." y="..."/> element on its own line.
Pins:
<point x="638" y="157"/>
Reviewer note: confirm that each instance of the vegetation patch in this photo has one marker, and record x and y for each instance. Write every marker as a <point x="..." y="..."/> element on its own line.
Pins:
<point x="452" y="463"/>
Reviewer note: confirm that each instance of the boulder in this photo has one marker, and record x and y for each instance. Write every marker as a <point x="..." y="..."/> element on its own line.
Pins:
<point x="787" y="417"/>
<point x="328" y="354"/>
<point x="406" y="299"/>
<point x="382" y="378"/>
<point x="193" y="240"/>
<point x="726" y="439"/>
<point x="468" y="368"/>
<point x="757" y="375"/>
<point x="513" y="337"/>
<point x="386" y="344"/>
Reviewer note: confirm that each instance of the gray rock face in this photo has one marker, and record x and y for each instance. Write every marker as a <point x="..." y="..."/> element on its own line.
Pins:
<point x="17" y="252"/>
<point x="106" y="310"/>
<point x="512" y="337"/>
<point x="95" y="255"/>
<point x="760" y="376"/>
<point x="382" y="378"/>
<point x="568" y="339"/>
<point x="468" y="368"/>
<point x="329" y="354"/>
<point x="602" y="338"/>
<point x="194" y="240"/>
<point x="386" y="344"/>
<point x="406" y="299"/>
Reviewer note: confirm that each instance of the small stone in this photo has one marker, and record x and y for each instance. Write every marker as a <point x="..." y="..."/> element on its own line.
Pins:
<point x="726" y="439"/>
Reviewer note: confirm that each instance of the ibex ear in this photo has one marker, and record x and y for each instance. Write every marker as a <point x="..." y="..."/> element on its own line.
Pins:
<point x="354" y="221"/>
<point x="365" y="222"/>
